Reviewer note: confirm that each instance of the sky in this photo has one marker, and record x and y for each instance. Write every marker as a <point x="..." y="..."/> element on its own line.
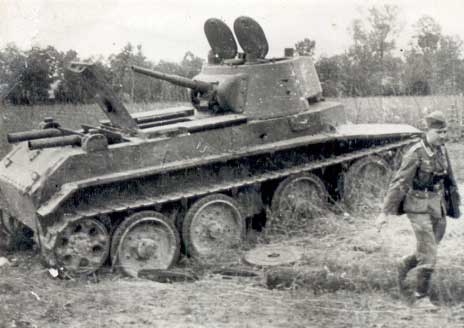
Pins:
<point x="167" y="29"/>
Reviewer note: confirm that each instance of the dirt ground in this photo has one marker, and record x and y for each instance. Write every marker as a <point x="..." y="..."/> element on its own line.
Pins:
<point x="353" y="284"/>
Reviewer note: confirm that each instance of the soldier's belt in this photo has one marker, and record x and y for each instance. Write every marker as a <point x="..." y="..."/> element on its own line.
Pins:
<point x="426" y="193"/>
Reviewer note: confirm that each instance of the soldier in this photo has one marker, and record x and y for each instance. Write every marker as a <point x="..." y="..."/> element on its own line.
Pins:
<point x="425" y="189"/>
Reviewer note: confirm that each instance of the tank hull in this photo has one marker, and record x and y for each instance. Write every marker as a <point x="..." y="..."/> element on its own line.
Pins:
<point x="56" y="174"/>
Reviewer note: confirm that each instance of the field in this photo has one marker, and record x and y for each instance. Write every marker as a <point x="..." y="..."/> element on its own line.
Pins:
<point x="345" y="278"/>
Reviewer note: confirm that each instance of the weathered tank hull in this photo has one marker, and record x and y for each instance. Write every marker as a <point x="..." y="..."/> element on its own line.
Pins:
<point x="258" y="137"/>
<point x="197" y="143"/>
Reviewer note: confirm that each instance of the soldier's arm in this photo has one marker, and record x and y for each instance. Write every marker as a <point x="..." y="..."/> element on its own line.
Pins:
<point x="451" y="180"/>
<point x="452" y="197"/>
<point x="402" y="182"/>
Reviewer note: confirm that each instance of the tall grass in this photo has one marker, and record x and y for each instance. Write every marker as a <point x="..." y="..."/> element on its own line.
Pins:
<point x="406" y="109"/>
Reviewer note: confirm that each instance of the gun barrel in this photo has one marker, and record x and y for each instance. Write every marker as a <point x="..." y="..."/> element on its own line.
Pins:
<point x="72" y="140"/>
<point x="174" y="79"/>
<point x="34" y="134"/>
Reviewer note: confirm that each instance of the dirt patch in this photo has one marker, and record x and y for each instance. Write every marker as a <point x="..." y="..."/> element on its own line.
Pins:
<point x="36" y="300"/>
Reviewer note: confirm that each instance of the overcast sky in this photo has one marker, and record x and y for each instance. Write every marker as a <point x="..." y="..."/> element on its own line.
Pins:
<point x="166" y="29"/>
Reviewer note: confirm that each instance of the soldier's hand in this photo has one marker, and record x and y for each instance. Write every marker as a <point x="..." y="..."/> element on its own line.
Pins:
<point x="381" y="221"/>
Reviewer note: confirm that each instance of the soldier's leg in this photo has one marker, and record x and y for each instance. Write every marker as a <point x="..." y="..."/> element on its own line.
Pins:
<point x="405" y="265"/>
<point x="426" y="250"/>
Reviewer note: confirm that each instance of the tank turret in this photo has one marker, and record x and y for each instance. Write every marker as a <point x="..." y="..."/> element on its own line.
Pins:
<point x="248" y="82"/>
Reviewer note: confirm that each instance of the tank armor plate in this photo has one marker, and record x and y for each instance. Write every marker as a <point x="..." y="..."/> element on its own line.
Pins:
<point x="106" y="206"/>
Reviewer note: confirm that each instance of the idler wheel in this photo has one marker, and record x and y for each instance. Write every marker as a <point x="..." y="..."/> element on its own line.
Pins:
<point x="366" y="183"/>
<point x="145" y="241"/>
<point x="83" y="246"/>
<point x="296" y="200"/>
<point x="213" y="229"/>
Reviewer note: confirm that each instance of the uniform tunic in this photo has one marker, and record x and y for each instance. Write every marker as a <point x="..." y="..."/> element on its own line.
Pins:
<point x="421" y="188"/>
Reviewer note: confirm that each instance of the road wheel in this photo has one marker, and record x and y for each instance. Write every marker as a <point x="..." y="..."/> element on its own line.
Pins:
<point x="213" y="229"/>
<point x="83" y="246"/>
<point x="145" y="240"/>
<point x="296" y="200"/>
<point x="366" y="183"/>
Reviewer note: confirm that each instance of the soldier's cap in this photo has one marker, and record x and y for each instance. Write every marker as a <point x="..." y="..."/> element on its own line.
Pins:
<point x="435" y="120"/>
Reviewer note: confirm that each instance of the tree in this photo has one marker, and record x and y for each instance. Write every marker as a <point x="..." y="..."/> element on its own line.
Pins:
<point x="30" y="74"/>
<point x="191" y="64"/>
<point x="71" y="88"/>
<point x="427" y="35"/>
<point x="367" y="60"/>
<point x="330" y="75"/>
<point x="448" y="65"/>
<point x="384" y="29"/>
<point x="419" y="71"/>
<point x="434" y="64"/>
<point x="119" y="67"/>
<point x="305" y="47"/>
<point x="12" y="64"/>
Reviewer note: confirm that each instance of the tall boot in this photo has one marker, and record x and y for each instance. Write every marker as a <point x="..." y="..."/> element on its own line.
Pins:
<point x="422" y="299"/>
<point x="404" y="266"/>
<point x="423" y="282"/>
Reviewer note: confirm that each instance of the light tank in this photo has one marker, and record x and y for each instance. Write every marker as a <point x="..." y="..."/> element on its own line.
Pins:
<point x="258" y="136"/>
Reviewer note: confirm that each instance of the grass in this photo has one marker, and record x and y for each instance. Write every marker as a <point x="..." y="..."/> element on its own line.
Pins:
<point x="407" y="110"/>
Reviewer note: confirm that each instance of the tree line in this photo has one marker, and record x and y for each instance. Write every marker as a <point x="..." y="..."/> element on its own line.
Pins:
<point x="39" y="75"/>
<point x="431" y="63"/>
<point x="372" y="65"/>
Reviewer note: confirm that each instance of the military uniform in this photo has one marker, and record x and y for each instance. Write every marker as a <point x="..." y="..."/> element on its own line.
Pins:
<point x="425" y="189"/>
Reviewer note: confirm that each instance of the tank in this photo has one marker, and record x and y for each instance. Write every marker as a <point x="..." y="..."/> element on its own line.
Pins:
<point x="258" y="138"/>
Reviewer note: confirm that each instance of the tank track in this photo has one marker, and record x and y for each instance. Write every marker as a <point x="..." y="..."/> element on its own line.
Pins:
<point x="122" y="206"/>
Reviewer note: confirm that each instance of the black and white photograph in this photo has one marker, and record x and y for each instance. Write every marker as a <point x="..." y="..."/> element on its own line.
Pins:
<point x="231" y="164"/>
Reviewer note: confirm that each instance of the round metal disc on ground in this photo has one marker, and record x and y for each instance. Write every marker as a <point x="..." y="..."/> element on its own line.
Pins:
<point x="145" y="240"/>
<point x="213" y="229"/>
<point x="83" y="246"/>
<point x="297" y="199"/>
<point x="220" y="38"/>
<point x="251" y="37"/>
<point x="365" y="183"/>
<point x="273" y="255"/>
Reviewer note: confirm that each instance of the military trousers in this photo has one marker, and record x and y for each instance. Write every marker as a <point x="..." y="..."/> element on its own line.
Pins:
<point x="426" y="213"/>
<point x="429" y="232"/>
